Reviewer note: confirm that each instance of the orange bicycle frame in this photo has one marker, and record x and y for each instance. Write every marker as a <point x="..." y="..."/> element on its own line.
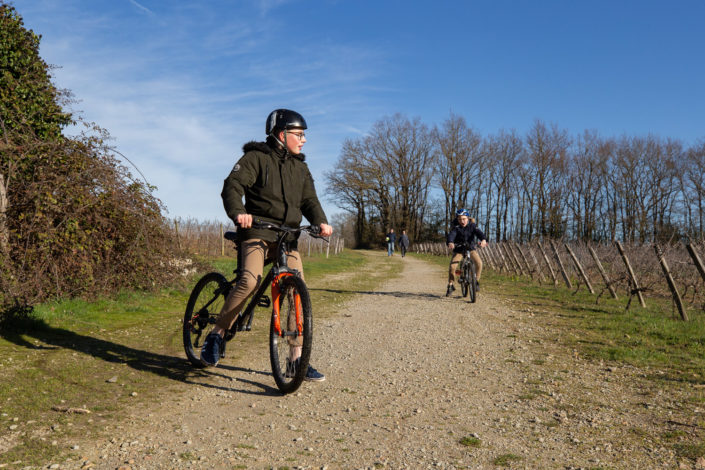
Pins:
<point x="276" y="293"/>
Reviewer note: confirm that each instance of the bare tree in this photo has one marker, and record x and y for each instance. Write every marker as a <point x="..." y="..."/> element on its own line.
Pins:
<point x="663" y="165"/>
<point x="403" y="152"/>
<point x="546" y="156"/>
<point x="693" y="188"/>
<point x="459" y="153"/>
<point x="349" y="186"/>
<point x="587" y="167"/>
<point x="386" y="176"/>
<point x="503" y="152"/>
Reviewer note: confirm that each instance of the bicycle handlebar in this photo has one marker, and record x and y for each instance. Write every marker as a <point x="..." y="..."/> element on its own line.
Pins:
<point x="313" y="230"/>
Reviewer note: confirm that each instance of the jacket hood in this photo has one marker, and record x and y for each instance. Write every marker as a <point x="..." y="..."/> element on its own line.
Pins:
<point x="264" y="147"/>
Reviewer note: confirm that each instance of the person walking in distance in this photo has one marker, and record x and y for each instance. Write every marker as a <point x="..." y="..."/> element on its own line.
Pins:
<point x="403" y="243"/>
<point x="277" y="187"/>
<point x="391" y="239"/>
<point x="462" y="237"/>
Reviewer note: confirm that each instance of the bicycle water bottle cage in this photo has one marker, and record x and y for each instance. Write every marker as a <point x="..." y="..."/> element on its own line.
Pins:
<point x="264" y="302"/>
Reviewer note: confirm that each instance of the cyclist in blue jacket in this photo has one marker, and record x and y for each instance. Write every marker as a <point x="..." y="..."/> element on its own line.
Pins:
<point x="460" y="238"/>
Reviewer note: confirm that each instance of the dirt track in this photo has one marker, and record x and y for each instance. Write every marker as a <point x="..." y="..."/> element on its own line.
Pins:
<point x="410" y="373"/>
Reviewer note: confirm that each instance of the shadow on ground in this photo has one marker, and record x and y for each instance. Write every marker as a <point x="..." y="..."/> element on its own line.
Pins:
<point x="20" y="327"/>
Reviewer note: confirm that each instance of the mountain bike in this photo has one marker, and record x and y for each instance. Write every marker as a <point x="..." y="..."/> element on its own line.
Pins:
<point x="291" y="316"/>
<point x="467" y="280"/>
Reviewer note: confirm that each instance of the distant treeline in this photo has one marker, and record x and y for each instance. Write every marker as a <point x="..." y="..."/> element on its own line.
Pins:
<point x="547" y="183"/>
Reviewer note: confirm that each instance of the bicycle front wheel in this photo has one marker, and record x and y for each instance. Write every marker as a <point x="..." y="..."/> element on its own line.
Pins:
<point x="464" y="278"/>
<point x="295" y="329"/>
<point x="203" y="307"/>
<point x="472" y="282"/>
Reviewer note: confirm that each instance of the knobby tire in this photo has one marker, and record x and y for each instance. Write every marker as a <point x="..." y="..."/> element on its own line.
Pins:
<point x="290" y="288"/>
<point x="202" y="309"/>
<point x="464" y="278"/>
<point x="472" y="282"/>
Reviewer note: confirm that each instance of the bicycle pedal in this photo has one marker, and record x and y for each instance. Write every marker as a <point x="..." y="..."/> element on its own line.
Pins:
<point x="264" y="302"/>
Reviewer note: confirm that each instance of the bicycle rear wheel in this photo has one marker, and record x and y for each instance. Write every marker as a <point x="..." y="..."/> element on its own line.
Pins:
<point x="293" y="294"/>
<point x="202" y="309"/>
<point x="472" y="282"/>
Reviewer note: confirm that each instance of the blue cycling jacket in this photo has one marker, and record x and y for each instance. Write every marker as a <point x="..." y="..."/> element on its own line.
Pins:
<point x="465" y="236"/>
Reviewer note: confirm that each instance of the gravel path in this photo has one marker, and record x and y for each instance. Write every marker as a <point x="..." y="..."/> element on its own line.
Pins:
<point x="414" y="380"/>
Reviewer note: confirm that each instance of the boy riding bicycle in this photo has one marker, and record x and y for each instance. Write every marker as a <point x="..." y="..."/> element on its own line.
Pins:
<point x="462" y="237"/>
<point x="278" y="188"/>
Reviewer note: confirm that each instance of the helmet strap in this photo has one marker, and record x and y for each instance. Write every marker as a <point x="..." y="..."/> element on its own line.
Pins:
<point x="274" y="136"/>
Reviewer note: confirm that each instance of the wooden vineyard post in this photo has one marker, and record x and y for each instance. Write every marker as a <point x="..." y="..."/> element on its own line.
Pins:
<point x="526" y="262"/>
<point x="493" y="256"/>
<point x="176" y="229"/>
<point x="511" y="258"/>
<point x="505" y="257"/>
<point x="488" y="254"/>
<point x="580" y="269"/>
<point x="486" y="257"/>
<point x="501" y="256"/>
<point x="515" y="258"/>
<point x="671" y="284"/>
<point x="548" y="263"/>
<point x="560" y="265"/>
<point x="483" y="257"/>
<point x="696" y="259"/>
<point x="630" y="271"/>
<point x="536" y="263"/>
<point x="603" y="273"/>
<point x="222" y="241"/>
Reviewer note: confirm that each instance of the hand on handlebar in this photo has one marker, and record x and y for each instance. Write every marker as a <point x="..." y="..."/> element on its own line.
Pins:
<point x="451" y="245"/>
<point x="483" y="243"/>
<point x="244" y="220"/>
<point x="326" y="230"/>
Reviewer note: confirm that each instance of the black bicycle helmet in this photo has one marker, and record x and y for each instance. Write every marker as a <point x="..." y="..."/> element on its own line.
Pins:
<point x="284" y="119"/>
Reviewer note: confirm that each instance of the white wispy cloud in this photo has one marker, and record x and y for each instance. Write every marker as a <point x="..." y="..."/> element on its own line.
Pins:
<point x="181" y="105"/>
<point x="142" y="7"/>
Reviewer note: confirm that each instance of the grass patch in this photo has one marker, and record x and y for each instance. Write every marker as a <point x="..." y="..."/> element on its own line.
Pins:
<point x="652" y="337"/>
<point x="505" y="460"/>
<point x="690" y="450"/>
<point x="95" y="354"/>
<point x="470" y="441"/>
<point x="531" y="394"/>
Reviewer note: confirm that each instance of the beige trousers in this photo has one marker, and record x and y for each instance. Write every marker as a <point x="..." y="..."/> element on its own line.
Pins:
<point x="254" y="254"/>
<point x="455" y="262"/>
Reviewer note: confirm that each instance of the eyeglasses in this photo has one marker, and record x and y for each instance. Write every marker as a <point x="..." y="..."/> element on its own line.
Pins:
<point x="299" y="135"/>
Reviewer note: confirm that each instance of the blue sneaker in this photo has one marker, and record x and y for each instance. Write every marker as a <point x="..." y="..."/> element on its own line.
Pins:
<point x="210" y="352"/>
<point x="312" y="375"/>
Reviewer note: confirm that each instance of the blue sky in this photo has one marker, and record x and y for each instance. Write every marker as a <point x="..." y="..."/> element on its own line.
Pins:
<point x="182" y="85"/>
